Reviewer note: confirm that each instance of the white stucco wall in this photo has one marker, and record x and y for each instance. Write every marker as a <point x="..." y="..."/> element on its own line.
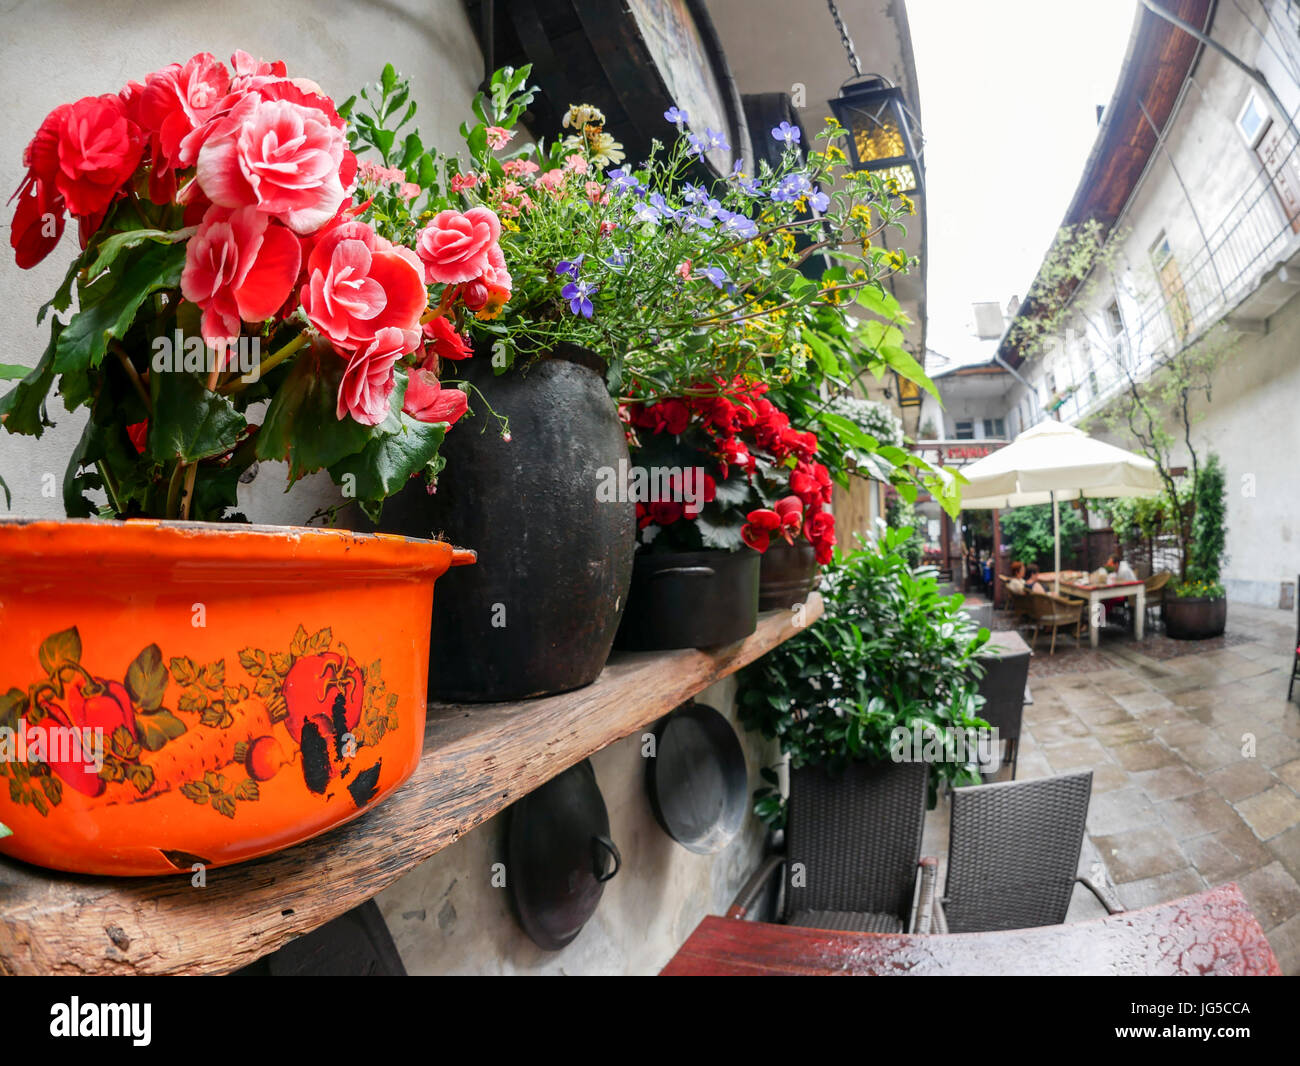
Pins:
<point x="56" y="51"/>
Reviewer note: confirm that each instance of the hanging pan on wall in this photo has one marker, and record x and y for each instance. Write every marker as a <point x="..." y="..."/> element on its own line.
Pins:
<point x="560" y="856"/>
<point x="697" y="781"/>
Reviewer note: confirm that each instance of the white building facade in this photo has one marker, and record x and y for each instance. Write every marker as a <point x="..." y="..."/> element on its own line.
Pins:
<point x="1196" y="175"/>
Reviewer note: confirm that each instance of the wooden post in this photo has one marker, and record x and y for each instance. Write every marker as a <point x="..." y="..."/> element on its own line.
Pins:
<point x="997" y="560"/>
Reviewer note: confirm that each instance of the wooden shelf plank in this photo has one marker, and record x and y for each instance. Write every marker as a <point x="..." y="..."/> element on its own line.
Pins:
<point x="477" y="760"/>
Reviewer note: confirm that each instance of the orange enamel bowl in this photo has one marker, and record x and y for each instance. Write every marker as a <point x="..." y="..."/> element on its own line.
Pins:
<point x="179" y="693"/>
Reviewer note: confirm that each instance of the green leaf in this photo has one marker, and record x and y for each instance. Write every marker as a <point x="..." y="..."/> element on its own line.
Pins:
<point x="877" y="299"/>
<point x="907" y="367"/>
<point x="719" y="534"/>
<point x="13" y="372"/>
<point x="108" y="304"/>
<point x="108" y="249"/>
<point x="22" y="409"/>
<point x="62" y="298"/>
<point x="156" y="729"/>
<point x="190" y="421"/>
<point x="301" y="426"/>
<point x="5" y="831"/>
<point x="388" y="460"/>
<point x="146" y="679"/>
<point x="60" y="649"/>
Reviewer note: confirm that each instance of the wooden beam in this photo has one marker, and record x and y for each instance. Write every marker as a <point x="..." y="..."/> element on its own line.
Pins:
<point x="477" y="760"/>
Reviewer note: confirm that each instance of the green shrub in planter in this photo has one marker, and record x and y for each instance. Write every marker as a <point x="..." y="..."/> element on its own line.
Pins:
<point x="1206" y="551"/>
<point x="890" y="651"/>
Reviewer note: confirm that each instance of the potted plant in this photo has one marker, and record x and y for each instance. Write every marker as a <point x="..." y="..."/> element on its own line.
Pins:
<point x="630" y="282"/>
<point x="887" y="675"/>
<point x="222" y="689"/>
<point x="1198" y="605"/>
<point x="719" y="479"/>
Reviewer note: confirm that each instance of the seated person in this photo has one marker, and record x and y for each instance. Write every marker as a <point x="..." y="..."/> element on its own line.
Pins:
<point x="1031" y="579"/>
<point x="1120" y="566"/>
<point x="1017" y="569"/>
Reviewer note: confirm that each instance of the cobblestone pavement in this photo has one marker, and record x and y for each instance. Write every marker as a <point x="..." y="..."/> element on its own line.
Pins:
<point x="1195" y="754"/>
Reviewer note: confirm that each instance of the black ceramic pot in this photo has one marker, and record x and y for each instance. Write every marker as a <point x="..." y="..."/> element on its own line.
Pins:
<point x="539" y="612"/>
<point x="690" y="600"/>
<point x="786" y="575"/>
<point x="1194" y="617"/>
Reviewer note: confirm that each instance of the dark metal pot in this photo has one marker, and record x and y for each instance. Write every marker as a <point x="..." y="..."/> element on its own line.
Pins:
<point x="1194" y="617"/>
<point x="690" y="600"/>
<point x="539" y="613"/>
<point x="786" y="575"/>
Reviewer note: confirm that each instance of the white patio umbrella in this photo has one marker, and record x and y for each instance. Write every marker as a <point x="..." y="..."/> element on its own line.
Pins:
<point x="1051" y="462"/>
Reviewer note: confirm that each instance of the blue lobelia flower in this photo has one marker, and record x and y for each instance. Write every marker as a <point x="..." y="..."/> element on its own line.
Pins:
<point x="570" y="266"/>
<point x="741" y="225"/>
<point x="646" y="212"/>
<point x="694" y="194"/>
<point x="677" y="116"/>
<point x="818" y="200"/>
<point x="579" y="294"/>
<point x="715" y="274"/>
<point x="786" y="134"/>
<point x="621" y="181"/>
<point x="792" y="187"/>
<point x="707" y="142"/>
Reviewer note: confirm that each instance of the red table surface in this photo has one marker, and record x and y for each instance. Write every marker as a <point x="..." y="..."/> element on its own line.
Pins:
<point x="1213" y="932"/>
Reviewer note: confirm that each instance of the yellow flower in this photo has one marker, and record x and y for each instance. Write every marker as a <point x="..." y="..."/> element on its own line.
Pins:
<point x="510" y="224"/>
<point x="907" y="203"/>
<point x="580" y="115"/>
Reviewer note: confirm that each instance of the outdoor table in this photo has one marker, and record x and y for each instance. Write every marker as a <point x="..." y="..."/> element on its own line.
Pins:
<point x="1094" y="594"/>
<point x="1213" y="932"/>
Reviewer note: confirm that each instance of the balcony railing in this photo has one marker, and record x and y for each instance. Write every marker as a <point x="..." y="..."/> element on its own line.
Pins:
<point x="1255" y="234"/>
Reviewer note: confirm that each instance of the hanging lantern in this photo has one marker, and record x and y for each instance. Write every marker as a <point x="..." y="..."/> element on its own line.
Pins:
<point x="880" y="135"/>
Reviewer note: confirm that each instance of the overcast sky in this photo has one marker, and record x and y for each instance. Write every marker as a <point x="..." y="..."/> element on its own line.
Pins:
<point x="1009" y="94"/>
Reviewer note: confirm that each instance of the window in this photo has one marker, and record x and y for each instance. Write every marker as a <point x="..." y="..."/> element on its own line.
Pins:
<point x="1253" y="121"/>
<point x="966" y="430"/>
<point x="1114" y="319"/>
<point x="1171" y="285"/>
<point x="995" y="428"/>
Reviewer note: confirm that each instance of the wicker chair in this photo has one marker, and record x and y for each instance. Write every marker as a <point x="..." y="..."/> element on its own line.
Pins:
<point x="853" y="851"/>
<point x="1013" y="856"/>
<point x="1054" y="612"/>
<point x="1155" y="594"/>
<point x="1005" y="688"/>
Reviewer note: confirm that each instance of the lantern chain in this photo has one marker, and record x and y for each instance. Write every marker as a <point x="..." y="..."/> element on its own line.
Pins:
<point x="845" y="39"/>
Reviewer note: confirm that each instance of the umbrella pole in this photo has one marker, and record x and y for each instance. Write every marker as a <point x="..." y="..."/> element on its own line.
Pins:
<point x="1056" y="537"/>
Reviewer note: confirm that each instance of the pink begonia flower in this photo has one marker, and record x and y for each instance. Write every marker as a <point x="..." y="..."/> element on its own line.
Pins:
<point x="170" y="106"/>
<point x="684" y="269"/>
<point x="552" y="180"/>
<point x="358" y="283"/>
<point x="454" y="246"/>
<point x="427" y="401"/>
<point x="283" y="157"/>
<point x="515" y="168"/>
<point x="239" y="267"/>
<point x="596" y="192"/>
<point x="498" y="137"/>
<point x="369" y="378"/>
<point x="576" y="164"/>
<point x="461" y="182"/>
